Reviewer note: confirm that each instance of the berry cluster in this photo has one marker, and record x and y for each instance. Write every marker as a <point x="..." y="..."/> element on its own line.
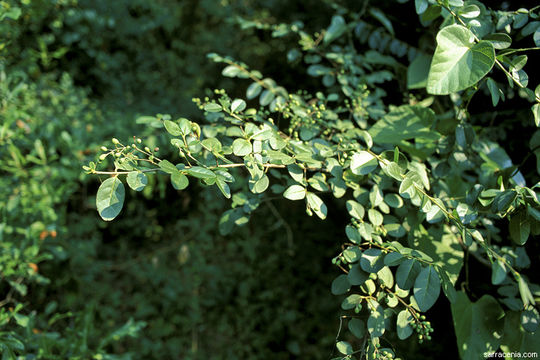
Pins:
<point x="423" y="328"/>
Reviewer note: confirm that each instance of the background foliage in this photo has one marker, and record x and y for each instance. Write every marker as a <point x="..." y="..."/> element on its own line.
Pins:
<point x="174" y="276"/>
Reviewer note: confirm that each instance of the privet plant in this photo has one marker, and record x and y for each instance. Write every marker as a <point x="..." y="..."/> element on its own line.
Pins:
<point x="427" y="189"/>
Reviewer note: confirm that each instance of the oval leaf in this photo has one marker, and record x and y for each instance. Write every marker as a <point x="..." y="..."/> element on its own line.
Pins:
<point x="406" y="273"/>
<point x="110" y="198"/>
<point x="136" y="180"/>
<point x="427" y="288"/>
<point x="295" y="192"/>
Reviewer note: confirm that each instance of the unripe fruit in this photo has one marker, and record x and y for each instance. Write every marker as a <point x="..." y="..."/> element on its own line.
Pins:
<point x="115" y="141"/>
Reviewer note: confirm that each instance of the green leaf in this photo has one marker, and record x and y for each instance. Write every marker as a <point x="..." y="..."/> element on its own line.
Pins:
<point x="393" y="200"/>
<point x="393" y="170"/>
<point x="295" y="192"/>
<point x="201" y="173"/>
<point x="253" y="90"/>
<point x="406" y="273"/>
<point x="167" y="167"/>
<point x="529" y="320"/>
<point x="372" y="260"/>
<point x="404" y="330"/>
<point x="494" y="91"/>
<point x="478" y="326"/>
<point x="296" y="172"/>
<point x="266" y="97"/>
<point x="351" y="302"/>
<point x="375" y="217"/>
<point x="421" y="6"/>
<point x="379" y="15"/>
<point x="499" y="40"/>
<point x="336" y="29"/>
<point x="357" y="327"/>
<point x="223" y="187"/>
<point x="363" y="163"/>
<point x="395" y="230"/>
<point x="172" y="128"/>
<point x="110" y="198"/>
<point x="230" y="218"/>
<point x="447" y="285"/>
<point x="260" y="185"/>
<point x="385" y="277"/>
<point x="536" y="113"/>
<point x="470" y="11"/>
<point x="427" y="288"/>
<point x="458" y="62"/>
<point x="238" y="105"/>
<point x="241" y="147"/>
<point x="357" y="276"/>
<point x="136" y="180"/>
<point x="179" y="181"/>
<point x="375" y="323"/>
<point x="408" y="187"/>
<point x="418" y="71"/>
<point x="344" y="347"/>
<point x="185" y="126"/>
<point x="520" y="228"/>
<point x="352" y="254"/>
<point x="404" y="123"/>
<point x="212" y="107"/>
<point x="317" y="205"/>
<point x="355" y="209"/>
<point x="444" y="249"/>
<point x="498" y="272"/>
<point x="515" y="338"/>
<point x="393" y="259"/>
<point x="525" y="292"/>
<point x="340" y="285"/>
<point x="231" y="71"/>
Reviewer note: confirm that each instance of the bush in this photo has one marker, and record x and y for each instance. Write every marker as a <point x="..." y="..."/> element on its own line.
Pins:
<point x="383" y="134"/>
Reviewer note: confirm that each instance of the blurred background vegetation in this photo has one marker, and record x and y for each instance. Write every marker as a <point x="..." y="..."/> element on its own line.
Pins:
<point x="160" y="282"/>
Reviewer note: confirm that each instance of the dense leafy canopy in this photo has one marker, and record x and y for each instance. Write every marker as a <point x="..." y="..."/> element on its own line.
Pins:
<point x="440" y="195"/>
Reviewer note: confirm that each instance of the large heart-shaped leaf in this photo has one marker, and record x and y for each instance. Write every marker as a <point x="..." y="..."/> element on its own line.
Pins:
<point x="458" y="62"/>
<point x="478" y="326"/>
<point x="110" y="198"/>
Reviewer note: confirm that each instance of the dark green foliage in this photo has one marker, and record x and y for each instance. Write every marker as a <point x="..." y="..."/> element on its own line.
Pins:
<point x="418" y="152"/>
